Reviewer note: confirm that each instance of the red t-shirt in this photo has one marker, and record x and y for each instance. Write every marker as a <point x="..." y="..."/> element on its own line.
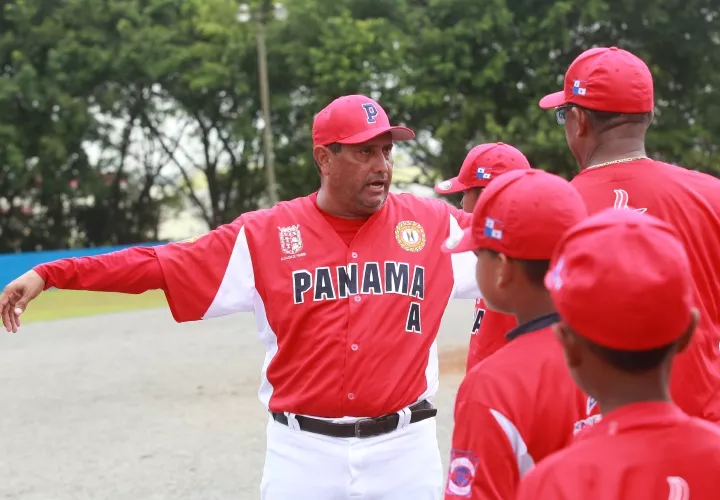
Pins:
<point x="690" y="201"/>
<point x="644" y="451"/>
<point x="347" y="229"/>
<point x="488" y="333"/>
<point x="513" y="409"/>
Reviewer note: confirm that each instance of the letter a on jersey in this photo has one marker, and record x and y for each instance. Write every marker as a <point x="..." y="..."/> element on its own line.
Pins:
<point x="413" y="319"/>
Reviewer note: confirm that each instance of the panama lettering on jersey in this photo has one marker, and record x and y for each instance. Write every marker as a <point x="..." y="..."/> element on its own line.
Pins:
<point x="337" y="320"/>
<point x="376" y="279"/>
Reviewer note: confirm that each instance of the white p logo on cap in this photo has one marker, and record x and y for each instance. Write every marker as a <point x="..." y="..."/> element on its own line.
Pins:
<point x="370" y="111"/>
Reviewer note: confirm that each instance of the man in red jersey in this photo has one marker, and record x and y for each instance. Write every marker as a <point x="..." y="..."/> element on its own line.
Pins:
<point x="482" y="164"/>
<point x="606" y="108"/>
<point x="348" y="286"/>
<point x="644" y="447"/>
<point x="519" y="404"/>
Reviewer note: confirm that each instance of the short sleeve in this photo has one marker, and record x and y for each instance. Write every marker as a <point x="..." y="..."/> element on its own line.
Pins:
<point x="463" y="264"/>
<point x="209" y="276"/>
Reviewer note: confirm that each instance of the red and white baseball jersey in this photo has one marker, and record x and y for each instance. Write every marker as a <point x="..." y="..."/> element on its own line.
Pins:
<point x="349" y="322"/>
<point x="513" y="409"/>
<point x="488" y="333"/>
<point x="689" y="201"/>
<point x="644" y="451"/>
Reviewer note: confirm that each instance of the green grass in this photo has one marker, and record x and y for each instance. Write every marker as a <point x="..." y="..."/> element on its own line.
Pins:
<point x="57" y="304"/>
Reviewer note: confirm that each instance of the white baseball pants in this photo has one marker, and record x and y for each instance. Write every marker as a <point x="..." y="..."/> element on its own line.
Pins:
<point x="402" y="465"/>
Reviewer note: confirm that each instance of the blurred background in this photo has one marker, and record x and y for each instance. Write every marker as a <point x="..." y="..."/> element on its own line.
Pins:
<point x="128" y="122"/>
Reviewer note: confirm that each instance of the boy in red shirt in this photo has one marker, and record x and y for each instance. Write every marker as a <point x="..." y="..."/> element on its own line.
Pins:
<point x="482" y="164"/>
<point x="645" y="447"/>
<point x="519" y="404"/>
<point x="606" y="108"/>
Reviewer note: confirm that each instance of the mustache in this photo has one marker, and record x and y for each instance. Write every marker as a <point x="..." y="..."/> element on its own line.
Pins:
<point x="383" y="179"/>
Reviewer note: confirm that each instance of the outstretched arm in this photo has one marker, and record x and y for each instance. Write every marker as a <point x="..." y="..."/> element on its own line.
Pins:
<point x="211" y="276"/>
<point x="133" y="270"/>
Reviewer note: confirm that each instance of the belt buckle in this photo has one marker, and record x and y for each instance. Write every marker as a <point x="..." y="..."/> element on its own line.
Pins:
<point x="358" y="427"/>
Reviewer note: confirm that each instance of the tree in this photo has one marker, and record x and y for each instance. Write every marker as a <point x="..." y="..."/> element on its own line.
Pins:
<point x="476" y="70"/>
<point x="43" y="123"/>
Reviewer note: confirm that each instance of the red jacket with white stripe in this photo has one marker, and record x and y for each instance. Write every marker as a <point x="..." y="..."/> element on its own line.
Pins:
<point x="513" y="409"/>
<point x="348" y="330"/>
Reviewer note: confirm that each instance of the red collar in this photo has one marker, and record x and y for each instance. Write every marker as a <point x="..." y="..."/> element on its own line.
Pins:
<point x="630" y="417"/>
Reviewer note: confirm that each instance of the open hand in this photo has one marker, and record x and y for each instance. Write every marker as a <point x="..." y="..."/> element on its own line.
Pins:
<point x="16" y="296"/>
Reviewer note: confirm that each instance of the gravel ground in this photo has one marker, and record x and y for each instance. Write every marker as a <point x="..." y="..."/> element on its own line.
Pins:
<point x="99" y="408"/>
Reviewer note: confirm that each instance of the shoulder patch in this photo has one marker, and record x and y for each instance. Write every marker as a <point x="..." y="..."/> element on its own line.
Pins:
<point x="463" y="464"/>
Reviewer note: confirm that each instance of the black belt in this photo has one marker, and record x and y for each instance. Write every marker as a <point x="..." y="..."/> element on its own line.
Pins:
<point x="363" y="428"/>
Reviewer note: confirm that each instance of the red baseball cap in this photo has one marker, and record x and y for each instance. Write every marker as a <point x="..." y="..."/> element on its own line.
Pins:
<point x="606" y="79"/>
<point x="482" y="164"/>
<point x="522" y="214"/>
<point x="354" y="119"/>
<point x="622" y="280"/>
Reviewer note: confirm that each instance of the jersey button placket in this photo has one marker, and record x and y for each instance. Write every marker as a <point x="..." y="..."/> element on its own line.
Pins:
<point x="352" y="258"/>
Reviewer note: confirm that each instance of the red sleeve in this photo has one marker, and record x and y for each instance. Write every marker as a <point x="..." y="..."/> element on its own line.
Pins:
<point x="210" y="276"/>
<point x="482" y="462"/>
<point x="206" y="277"/>
<point x="464" y="218"/>
<point x="133" y="270"/>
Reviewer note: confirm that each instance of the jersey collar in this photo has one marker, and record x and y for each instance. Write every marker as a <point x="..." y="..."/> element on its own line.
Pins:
<point x="533" y="325"/>
<point x="637" y="415"/>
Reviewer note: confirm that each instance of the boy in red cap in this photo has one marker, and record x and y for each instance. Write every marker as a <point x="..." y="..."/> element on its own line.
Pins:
<point x="482" y="164"/>
<point x="606" y="108"/>
<point x="519" y="404"/>
<point x="644" y="447"/>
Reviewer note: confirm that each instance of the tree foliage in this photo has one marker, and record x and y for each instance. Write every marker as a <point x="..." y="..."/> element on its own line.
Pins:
<point x="115" y="113"/>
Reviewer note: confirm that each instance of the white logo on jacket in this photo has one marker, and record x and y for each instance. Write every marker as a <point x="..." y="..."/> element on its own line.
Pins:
<point x="291" y="241"/>
<point x="621" y="201"/>
<point x="679" y="488"/>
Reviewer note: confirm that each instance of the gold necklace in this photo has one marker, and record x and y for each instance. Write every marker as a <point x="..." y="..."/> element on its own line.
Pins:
<point x="618" y="161"/>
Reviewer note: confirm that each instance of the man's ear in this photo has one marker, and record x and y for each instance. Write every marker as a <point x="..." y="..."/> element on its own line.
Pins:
<point x="505" y="271"/>
<point x="570" y="344"/>
<point x="323" y="158"/>
<point x="686" y="337"/>
<point x="582" y="120"/>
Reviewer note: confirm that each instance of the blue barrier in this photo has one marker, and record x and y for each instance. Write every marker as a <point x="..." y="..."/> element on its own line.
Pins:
<point x="13" y="265"/>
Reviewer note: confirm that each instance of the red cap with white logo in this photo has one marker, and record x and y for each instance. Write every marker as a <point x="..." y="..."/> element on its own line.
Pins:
<point x="622" y="280"/>
<point x="482" y="164"/>
<point x="606" y="79"/>
<point x="354" y="119"/>
<point x="522" y="214"/>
